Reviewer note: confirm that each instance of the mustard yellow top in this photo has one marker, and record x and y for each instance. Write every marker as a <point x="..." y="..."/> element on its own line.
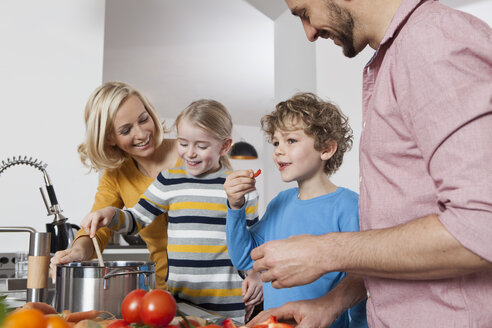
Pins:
<point x="123" y="187"/>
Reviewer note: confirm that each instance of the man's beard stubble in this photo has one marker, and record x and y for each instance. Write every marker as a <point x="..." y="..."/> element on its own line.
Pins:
<point x="345" y="27"/>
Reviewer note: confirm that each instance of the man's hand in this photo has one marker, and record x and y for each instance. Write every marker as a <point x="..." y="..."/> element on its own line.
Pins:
<point x="97" y="219"/>
<point x="238" y="184"/>
<point x="321" y="311"/>
<point x="290" y="262"/>
<point x="312" y="313"/>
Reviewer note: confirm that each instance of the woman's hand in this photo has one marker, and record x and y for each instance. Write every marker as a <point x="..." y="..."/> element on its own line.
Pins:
<point x="97" y="219"/>
<point x="81" y="250"/>
<point x="238" y="184"/>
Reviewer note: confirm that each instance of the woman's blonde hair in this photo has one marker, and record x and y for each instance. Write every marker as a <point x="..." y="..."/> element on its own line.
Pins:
<point x="100" y="111"/>
<point x="211" y="116"/>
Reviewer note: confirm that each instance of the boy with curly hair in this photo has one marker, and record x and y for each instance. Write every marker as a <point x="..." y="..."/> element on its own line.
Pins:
<point x="309" y="137"/>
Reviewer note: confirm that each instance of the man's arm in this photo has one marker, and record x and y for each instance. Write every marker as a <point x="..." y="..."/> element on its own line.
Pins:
<point x="420" y="249"/>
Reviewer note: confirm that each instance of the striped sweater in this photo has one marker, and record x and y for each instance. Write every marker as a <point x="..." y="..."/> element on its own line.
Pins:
<point x="200" y="270"/>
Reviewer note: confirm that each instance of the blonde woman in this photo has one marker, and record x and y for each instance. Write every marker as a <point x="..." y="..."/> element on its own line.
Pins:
<point x="124" y="140"/>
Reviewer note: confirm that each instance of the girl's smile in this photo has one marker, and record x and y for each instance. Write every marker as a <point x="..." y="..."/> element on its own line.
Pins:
<point x="198" y="149"/>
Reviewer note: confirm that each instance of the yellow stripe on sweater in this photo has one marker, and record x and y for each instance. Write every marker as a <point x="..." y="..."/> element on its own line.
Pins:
<point x="178" y="171"/>
<point x="197" y="249"/>
<point x="252" y="209"/>
<point x="206" y="292"/>
<point x="198" y="206"/>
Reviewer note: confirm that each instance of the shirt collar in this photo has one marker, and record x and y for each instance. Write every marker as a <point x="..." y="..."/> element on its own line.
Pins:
<point x="404" y="11"/>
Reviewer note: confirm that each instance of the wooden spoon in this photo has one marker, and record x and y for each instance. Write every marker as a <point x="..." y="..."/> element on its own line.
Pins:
<point x="98" y="251"/>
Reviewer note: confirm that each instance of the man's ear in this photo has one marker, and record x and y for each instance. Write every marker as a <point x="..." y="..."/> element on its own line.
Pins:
<point x="329" y="150"/>
<point x="225" y="147"/>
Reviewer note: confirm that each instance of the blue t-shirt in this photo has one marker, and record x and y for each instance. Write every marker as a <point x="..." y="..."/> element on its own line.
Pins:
<point x="285" y="216"/>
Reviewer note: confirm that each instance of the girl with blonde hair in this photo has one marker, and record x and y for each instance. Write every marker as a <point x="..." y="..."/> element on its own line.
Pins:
<point x="200" y="270"/>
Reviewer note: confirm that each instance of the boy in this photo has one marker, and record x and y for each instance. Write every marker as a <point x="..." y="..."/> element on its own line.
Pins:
<point x="310" y="137"/>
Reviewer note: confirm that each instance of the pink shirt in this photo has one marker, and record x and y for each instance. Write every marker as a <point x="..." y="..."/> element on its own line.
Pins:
<point x="426" y="147"/>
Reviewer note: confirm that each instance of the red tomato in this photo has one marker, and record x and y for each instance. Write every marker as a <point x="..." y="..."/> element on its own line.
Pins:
<point x="158" y="308"/>
<point x="119" y="324"/>
<point x="130" y="307"/>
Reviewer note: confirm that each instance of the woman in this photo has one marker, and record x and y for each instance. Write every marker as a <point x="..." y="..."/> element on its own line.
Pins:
<point x="124" y="139"/>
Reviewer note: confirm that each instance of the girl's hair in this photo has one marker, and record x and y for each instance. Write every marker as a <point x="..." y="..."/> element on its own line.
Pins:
<point x="100" y="111"/>
<point x="211" y="116"/>
<point x="319" y="119"/>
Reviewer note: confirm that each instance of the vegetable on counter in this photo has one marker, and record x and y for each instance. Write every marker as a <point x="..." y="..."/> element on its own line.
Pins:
<point x="141" y="309"/>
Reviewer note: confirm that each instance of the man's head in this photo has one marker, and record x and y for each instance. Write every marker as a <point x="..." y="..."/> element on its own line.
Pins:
<point x="328" y="19"/>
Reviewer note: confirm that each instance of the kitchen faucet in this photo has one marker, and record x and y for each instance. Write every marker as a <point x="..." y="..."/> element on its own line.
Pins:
<point x="61" y="231"/>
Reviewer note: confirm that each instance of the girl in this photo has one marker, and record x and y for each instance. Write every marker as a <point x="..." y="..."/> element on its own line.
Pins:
<point x="200" y="269"/>
<point x="124" y="141"/>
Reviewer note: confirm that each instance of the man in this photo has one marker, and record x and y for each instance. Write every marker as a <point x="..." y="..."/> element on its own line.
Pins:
<point x="425" y="248"/>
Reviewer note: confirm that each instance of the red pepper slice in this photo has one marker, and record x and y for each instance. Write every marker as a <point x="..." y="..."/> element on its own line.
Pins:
<point x="227" y="323"/>
<point x="257" y="173"/>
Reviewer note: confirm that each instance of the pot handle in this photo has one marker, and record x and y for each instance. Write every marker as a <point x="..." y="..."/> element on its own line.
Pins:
<point x="111" y="275"/>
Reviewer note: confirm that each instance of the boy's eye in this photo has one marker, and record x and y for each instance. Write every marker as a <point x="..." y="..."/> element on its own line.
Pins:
<point x="275" y="143"/>
<point x="291" y="141"/>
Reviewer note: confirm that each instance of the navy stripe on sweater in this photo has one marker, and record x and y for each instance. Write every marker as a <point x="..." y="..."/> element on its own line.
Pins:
<point x="169" y="182"/>
<point x="197" y="219"/>
<point x="222" y="307"/>
<point x="150" y="207"/>
<point x="199" y="263"/>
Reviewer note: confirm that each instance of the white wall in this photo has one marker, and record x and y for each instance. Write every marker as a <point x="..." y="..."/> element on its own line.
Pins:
<point x="51" y="60"/>
<point x="177" y="51"/>
<point x="340" y="81"/>
<point x="295" y="71"/>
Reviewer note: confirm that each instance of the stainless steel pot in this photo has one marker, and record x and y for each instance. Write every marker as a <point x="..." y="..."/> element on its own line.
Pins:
<point x="84" y="286"/>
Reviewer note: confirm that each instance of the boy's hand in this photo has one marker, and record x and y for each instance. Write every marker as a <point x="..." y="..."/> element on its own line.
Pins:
<point x="97" y="219"/>
<point x="252" y="291"/>
<point x="237" y="184"/>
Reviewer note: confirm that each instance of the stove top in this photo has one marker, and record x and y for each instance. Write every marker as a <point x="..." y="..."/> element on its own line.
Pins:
<point x="7" y="265"/>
